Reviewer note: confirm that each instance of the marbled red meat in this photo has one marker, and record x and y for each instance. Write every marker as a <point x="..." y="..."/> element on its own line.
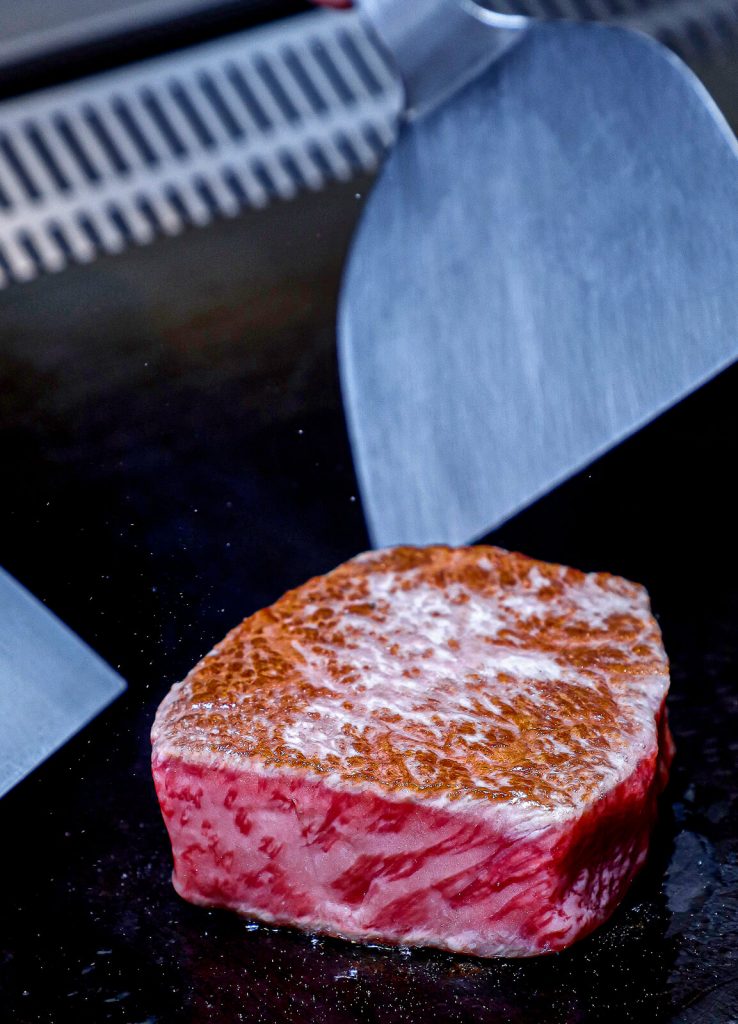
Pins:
<point x="427" y="746"/>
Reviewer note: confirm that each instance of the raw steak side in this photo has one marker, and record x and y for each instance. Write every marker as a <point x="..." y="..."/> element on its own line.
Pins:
<point x="428" y="746"/>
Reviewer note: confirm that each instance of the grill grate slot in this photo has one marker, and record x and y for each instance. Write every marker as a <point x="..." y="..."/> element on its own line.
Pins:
<point x="253" y="108"/>
<point x="135" y="135"/>
<point x="212" y="92"/>
<point x="331" y="73"/>
<point x="158" y="116"/>
<point x="122" y="158"/>
<point x="276" y="90"/>
<point x="76" y="149"/>
<point x="107" y="144"/>
<point x="304" y="81"/>
<point x="203" y="134"/>
<point x="359" y="64"/>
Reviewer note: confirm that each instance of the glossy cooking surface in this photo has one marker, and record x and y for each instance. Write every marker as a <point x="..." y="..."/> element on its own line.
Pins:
<point x="174" y="457"/>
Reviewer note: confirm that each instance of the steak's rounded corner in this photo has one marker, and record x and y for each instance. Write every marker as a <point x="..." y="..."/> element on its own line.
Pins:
<point x="498" y="801"/>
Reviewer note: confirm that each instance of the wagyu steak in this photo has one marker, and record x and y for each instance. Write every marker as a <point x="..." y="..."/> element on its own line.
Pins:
<point x="428" y="746"/>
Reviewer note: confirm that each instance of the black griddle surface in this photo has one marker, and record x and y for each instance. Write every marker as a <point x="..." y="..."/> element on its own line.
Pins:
<point x="174" y="456"/>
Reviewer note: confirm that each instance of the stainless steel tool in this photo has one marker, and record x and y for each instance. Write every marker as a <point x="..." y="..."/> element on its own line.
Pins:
<point x="51" y="684"/>
<point x="548" y="261"/>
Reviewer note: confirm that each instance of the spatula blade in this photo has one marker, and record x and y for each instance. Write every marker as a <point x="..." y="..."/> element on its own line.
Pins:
<point x="546" y="263"/>
<point x="51" y="684"/>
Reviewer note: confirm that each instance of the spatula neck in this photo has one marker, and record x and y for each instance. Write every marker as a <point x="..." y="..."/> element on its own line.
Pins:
<point x="440" y="45"/>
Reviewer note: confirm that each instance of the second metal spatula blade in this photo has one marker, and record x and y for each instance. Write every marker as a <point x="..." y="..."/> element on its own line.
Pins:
<point x="51" y="683"/>
<point x="548" y="261"/>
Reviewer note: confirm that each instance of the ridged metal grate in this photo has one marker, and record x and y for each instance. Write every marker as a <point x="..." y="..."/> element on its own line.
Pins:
<point x="121" y="158"/>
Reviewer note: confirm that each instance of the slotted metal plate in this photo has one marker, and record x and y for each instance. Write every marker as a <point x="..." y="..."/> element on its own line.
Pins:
<point x="123" y="157"/>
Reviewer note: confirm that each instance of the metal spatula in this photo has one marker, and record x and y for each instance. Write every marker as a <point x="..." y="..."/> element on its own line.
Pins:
<point x="51" y="684"/>
<point x="548" y="260"/>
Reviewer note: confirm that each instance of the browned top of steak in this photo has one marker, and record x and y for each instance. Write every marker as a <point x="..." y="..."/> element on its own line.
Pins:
<point x="446" y="672"/>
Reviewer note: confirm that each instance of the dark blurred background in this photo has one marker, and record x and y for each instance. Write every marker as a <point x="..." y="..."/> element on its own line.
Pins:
<point x="43" y="43"/>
